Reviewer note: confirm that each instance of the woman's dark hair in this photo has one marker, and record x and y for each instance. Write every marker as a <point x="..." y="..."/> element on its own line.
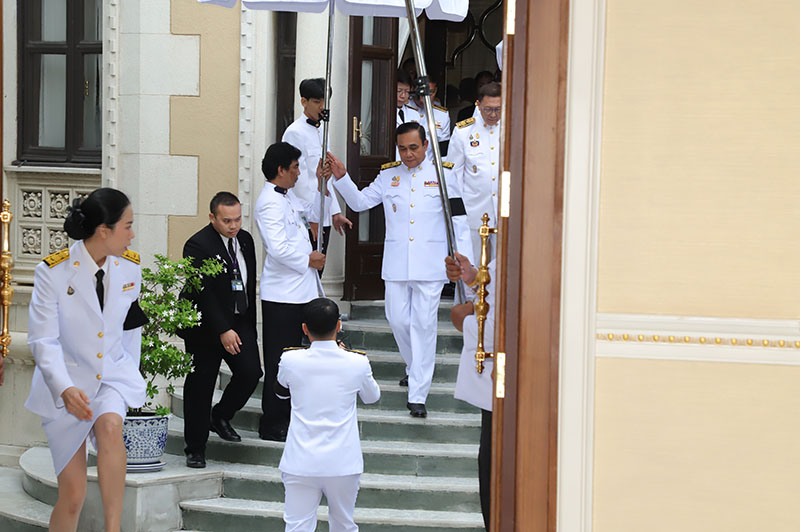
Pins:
<point x="103" y="206"/>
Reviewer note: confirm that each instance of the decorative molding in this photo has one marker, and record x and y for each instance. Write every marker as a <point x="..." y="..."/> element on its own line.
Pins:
<point x="246" y="111"/>
<point x="110" y="144"/>
<point x="699" y="338"/>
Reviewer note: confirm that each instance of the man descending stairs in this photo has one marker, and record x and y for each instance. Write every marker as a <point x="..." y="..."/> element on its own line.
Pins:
<point x="420" y="475"/>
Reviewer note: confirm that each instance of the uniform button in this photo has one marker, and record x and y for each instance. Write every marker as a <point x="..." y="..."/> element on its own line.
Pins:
<point x="493" y="194"/>
<point x="413" y="190"/>
<point x="412" y="205"/>
<point x="492" y="163"/>
<point x="494" y="179"/>
<point x="99" y="377"/>
<point x="411" y="238"/>
<point x="99" y="335"/>
<point x="412" y="221"/>
<point x="99" y="355"/>
<point x="491" y="148"/>
<point x="491" y="132"/>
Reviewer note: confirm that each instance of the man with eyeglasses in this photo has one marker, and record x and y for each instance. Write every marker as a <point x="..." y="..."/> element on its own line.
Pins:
<point x="475" y="154"/>
<point x="404" y="113"/>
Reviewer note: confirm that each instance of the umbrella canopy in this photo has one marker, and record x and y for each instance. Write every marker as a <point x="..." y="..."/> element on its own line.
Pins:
<point x="452" y="10"/>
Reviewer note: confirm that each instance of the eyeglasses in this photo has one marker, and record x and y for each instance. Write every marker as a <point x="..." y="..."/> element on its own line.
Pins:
<point x="402" y="91"/>
<point x="492" y="110"/>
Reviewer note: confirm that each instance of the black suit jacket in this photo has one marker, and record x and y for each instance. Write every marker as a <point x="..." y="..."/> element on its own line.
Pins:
<point x="215" y="301"/>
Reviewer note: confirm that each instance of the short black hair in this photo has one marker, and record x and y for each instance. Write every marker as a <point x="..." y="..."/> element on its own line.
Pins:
<point x="408" y="127"/>
<point x="222" y="198"/>
<point x="312" y="88"/>
<point x="321" y="316"/>
<point x="484" y="74"/>
<point x="403" y="77"/>
<point x="279" y="155"/>
<point x="493" y="90"/>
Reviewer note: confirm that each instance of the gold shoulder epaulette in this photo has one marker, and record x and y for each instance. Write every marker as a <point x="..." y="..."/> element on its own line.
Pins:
<point x="439" y="107"/>
<point x="295" y="348"/>
<point x="467" y="122"/>
<point x="391" y="165"/>
<point x="411" y="107"/>
<point x="364" y="353"/>
<point x="448" y="165"/>
<point x="131" y="256"/>
<point x="56" y="258"/>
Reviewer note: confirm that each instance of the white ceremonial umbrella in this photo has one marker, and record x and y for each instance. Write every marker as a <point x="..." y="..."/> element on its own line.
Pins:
<point x="450" y="10"/>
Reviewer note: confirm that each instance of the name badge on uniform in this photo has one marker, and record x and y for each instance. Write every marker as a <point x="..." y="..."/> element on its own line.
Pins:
<point x="396" y="181"/>
<point x="237" y="285"/>
<point x="128" y="286"/>
<point x="474" y="143"/>
<point x="431" y="183"/>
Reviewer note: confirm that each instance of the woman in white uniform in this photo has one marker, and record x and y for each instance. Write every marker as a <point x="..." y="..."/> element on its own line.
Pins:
<point x="85" y="335"/>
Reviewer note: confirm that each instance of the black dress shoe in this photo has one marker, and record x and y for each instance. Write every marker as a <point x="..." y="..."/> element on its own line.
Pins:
<point x="195" y="460"/>
<point x="417" y="409"/>
<point x="224" y="429"/>
<point x="404" y="381"/>
<point x="272" y="434"/>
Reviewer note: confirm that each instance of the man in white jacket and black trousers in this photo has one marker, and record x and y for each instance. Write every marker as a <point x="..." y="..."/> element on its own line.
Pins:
<point x="323" y="449"/>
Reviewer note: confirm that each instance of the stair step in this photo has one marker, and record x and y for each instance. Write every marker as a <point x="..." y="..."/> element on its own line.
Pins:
<point x="380" y="457"/>
<point x="372" y="310"/>
<point x="246" y="515"/>
<point x="386" y="365"/>
<point x="372" y="334"/>
<point x="396" y="425"/>
<point x="395" y="397"/>
<point x="19" y="512"/>
<point x="377" y="491"/>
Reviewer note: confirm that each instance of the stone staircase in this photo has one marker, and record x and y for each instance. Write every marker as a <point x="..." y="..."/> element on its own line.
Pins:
<point x="420" y="474"/>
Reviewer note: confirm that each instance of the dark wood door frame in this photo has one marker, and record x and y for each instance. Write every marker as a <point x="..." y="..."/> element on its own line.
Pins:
<point x="525" y="476"/>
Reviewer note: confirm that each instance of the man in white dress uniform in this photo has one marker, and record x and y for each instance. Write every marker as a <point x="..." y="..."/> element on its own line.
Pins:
<point x="440" y="116"/>
<point x="290" y="277"/>
<point x="414" y="250"/>
<point x="323" y="449"/>
<point x="475" y="154"/>
<point x="305" y="134"/>
<point x="473" y="387"/>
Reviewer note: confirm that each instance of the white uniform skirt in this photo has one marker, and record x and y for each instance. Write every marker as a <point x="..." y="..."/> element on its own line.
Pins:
<point x="66" y="433"/>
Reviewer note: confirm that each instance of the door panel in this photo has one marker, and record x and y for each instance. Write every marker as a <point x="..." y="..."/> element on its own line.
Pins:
<point x="371" y="108"/>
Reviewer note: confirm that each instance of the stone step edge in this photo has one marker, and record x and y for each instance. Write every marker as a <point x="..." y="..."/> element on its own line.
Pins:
<point x="16" y="505"/>
<point x="451" y="359"/>
<point x="373" y="415"/>
<point x="387" y="447"/>
<point x="437" y="387"/>
<point x="376" y="325"/>
<point x="371" y="516"/>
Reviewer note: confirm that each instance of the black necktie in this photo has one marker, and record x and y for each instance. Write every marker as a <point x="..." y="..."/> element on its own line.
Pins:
<point x="100" y="290"/>
<point x="239" y="296"/>
<point x="402" y="115"/>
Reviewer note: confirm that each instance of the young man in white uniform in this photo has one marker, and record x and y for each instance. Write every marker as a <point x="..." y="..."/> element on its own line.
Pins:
<point x="323" y="449"/>
<point x="305" y="134"/>
<point x="290" y="277"/>
<point x="414" y="250"/>
<point x="440" y="116"/>
<point x="475" y="154"/>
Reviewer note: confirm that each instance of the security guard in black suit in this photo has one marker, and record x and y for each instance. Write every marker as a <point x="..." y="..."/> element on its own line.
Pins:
<point x="227" y="328"/>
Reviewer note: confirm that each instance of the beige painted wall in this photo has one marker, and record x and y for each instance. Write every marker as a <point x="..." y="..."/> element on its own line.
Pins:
<point x="696" y="447"/>
<point x="207" y="126"/>
<point x="700" y="194"/>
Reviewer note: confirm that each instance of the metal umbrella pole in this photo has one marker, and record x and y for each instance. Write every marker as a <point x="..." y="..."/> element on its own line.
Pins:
<point x="424" y="88"/>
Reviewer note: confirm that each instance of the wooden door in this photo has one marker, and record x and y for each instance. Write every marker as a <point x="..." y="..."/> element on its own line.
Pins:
<point x="371" y="143"/>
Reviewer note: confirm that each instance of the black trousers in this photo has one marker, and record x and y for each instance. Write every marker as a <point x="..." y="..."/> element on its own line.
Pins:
<point x="282" y="328"/>
<point x="198" y="389"/>
<point x="485" y="465"/>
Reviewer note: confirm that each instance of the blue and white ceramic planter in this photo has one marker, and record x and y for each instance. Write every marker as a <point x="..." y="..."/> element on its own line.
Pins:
<point x="145" y="438"/>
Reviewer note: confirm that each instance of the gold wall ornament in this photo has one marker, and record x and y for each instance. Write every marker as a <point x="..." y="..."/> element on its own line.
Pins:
<point x="482" y="279"/>
<point x="702" y="340"/>
<point x="6" y="264"/>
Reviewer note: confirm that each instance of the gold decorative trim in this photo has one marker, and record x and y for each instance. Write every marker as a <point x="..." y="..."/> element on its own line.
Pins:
<point x="735" y="341"/>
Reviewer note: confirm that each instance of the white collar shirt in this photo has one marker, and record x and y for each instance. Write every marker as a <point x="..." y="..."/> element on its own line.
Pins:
<point x="239" y="257"/>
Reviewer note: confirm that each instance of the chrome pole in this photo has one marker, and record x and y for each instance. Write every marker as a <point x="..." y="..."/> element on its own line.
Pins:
<point x="416" y="44"/>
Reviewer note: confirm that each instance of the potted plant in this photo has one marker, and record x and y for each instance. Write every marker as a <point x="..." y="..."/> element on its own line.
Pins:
<point x="145" y="429"/>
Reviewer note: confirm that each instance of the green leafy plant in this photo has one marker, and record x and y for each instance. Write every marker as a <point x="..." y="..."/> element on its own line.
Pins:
<point x="167" y="313"/>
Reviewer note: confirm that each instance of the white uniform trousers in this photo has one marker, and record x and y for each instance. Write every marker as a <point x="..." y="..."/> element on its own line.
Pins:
<point x="303" y="495"/>
<point x="412" y="310"/>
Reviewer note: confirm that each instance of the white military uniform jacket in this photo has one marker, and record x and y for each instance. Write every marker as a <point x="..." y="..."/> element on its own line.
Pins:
<point x="308" y="139"/>
<point x="475" y="153"/>
<point x="323" y="381"/>
<point x="472" y="387"/>
<point x="73" y="342"/>
<point x="286" y="276"/>
<point x="416" y="238"/>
